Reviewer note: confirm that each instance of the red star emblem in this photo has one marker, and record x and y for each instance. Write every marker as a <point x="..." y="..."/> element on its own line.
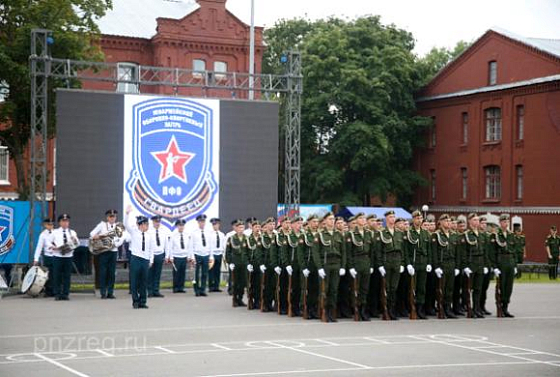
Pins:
<point x="173" y="161"/>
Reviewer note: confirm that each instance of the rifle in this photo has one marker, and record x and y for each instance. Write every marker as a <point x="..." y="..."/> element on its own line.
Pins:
<point x="356" y="312"/>
<point x="263" y="283"/>
<point x="322" y="304"/>
<point x="290" y="309"/>
<point x="412" y="298"/>
<point x="468" y="296"/>
<point x="384" y="310"/>
<point x="305" y="308"/>
<point x="278" y="294"/>
<point x="250" y="296"/>
<point x="498" y="295"/>
<point x="440" y="308"/>
<point x="233" y="288"/>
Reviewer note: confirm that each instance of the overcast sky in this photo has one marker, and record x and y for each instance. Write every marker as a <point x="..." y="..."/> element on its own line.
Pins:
<point x="432" y="22"/>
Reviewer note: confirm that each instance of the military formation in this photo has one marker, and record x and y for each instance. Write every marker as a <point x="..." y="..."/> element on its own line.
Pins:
<point x="328" y="268"/>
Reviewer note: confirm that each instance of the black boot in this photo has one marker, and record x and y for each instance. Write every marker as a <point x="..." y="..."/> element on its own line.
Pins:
<point x="448" y="312"/>
<point x="507" y="313"/>
<point x="430" y="312"/>
<point x="420" y="311"/>
<point x="331" y="315"/>
<point x="364" y="315"/>
<point x="477" y="312"/>
<point x="484" y="311"/>
<point x="393" y="314"/>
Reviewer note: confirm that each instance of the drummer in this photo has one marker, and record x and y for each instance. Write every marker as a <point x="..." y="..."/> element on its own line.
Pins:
<point x="44" y="248"/>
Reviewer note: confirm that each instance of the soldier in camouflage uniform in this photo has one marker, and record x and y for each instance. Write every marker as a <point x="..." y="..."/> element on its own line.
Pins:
<point x="329" y="255"/>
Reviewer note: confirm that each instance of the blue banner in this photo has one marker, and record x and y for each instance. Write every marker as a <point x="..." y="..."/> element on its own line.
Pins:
<point x="14" y="231"/>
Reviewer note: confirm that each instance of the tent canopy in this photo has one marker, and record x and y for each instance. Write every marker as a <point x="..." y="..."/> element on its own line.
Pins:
<point x="378" y="211"/>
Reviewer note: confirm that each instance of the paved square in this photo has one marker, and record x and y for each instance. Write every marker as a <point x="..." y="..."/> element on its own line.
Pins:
<point x="182" y="335"/>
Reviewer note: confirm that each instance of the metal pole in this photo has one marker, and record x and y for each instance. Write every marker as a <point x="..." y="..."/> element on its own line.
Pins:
<point x="252" y="53"/>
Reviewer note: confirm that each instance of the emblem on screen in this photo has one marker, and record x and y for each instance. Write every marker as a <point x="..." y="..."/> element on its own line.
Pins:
<point x="172" y="159"/>
<point x="7" y="240"/>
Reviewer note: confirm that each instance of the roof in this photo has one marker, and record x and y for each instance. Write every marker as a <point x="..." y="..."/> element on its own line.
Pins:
<point x="492" y="88"/>
<point x="130" y="19"/>
<point x="550" y="46"/>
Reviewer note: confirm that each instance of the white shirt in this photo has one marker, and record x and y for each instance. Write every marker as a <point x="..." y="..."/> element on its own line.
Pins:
<point x="196" y="244"/>
<point x="163" y="233"/>
<point x="230" y="234"/>
<point x="214" y="242"/>
<point x="136" y="240"/>
<point x="175" y="249"/>
<point x="57" y="240"/>
<point x="103" y="228"/>
<point x="43" y="245"/>
<point x="248" y="232"/>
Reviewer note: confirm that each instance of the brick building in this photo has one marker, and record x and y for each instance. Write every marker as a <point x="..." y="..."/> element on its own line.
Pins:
<point x="495" y="144"/>
<point x="199" y="35"/>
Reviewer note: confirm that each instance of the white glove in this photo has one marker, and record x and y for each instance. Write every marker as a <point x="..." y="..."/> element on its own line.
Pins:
<point x="232" y="266"/>
<point x="322" y="273"/>
<point x="382" y="271"/>
<point x="485" y="270"/>
<point x="497" y="272"/>
<point x="250" y="267"/>
<point x="342" y="272"/>
<point x="467" y="271"/>
<point x="306" y="273"/>
<point x="290" y="270"/>
<point x="263" y="268"/>
<point x="439" y="272"/>
<point x="457" y="271"/>
<point x="278" y="270"/>
<point x="401" y="270"/>
<point x="371" y="270"/>
<point x="515" y="270"/>
<point x="353" y="272"/>
<point x="429" y="268"/>
<point x="410" y="270"/>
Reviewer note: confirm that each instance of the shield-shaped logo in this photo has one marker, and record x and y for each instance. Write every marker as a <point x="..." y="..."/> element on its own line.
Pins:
<point x="172" y="158"/>
<point x="7" y="240"/>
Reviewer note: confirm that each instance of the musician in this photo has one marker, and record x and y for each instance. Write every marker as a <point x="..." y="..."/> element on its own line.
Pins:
<point x="63" y="240"/>
<point x="142" y="246"/>
<point x="161" y="252"/>
<point x="236" y="257"/>
<point x="179" y="255"/>
<point x="218" y="247"/>
<point x="107" y="260"/>
<point x="199" y="245"/>
<point x="44" y="249"/>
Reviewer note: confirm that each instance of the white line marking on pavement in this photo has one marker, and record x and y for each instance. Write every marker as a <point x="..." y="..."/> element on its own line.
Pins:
<point x="53" y="362"/>
<point x="326" y="342"/>
<point x="220" y="346"/>
<point x="321" y="356"/>
<point x="103" y="352"/>
<point x="164" y="349"/>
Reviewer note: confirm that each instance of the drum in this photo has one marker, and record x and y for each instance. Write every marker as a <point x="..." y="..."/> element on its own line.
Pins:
<point x="34" y="281"/>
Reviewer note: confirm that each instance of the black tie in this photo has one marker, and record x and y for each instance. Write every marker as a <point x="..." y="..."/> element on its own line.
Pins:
<point x="182" y="242"/>
<point x="217" y="240"/>
<point x="64" y="238"/>
<point x="203" y="239"/>
<point x="143" y="242"/>
<point x="157" y="237"/>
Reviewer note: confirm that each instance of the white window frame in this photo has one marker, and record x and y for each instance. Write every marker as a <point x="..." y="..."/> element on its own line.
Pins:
<point x="520" y="120"/>
<point x="519" y="173"/>
<point x="493" y="122"/>
<point x="127" y="71"/>
<point x="492" y="72"/>
<point x="4" y="165"/>
<point x="198" y="73"/>
<point x="493" y="182"/>
<point x="433" y="184"/>
<point x="465" y="127"/>
<point x="220" y="74"/>
<point x="464" y="183"/>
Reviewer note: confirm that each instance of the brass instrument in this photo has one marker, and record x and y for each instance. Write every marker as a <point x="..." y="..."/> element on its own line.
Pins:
<point x="70" y="245"/>
<point x="106" y="242"/>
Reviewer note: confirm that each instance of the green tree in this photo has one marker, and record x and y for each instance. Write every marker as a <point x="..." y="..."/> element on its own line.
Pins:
<point x="359" y="127"/>
<point x="431" y="63"/>
<point x="75" y="33"/>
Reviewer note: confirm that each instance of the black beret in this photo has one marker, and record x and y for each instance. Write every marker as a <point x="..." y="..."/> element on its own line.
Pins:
<point x="180" y="222"/>
<point x="141" y="220"/>
<point x="64" y="216"/>
<point x="111" y="212"/>
<point x="214" y="220"/>
<point x="156" y="218"/>
<point x="48" y="220"/>
<point x="201" y="217"/>
<point x="390" y="212"/>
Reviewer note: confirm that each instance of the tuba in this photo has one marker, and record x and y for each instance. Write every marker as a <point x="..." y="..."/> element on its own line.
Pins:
<point x="72" y="244"/>
<point x="106" y="242"/>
